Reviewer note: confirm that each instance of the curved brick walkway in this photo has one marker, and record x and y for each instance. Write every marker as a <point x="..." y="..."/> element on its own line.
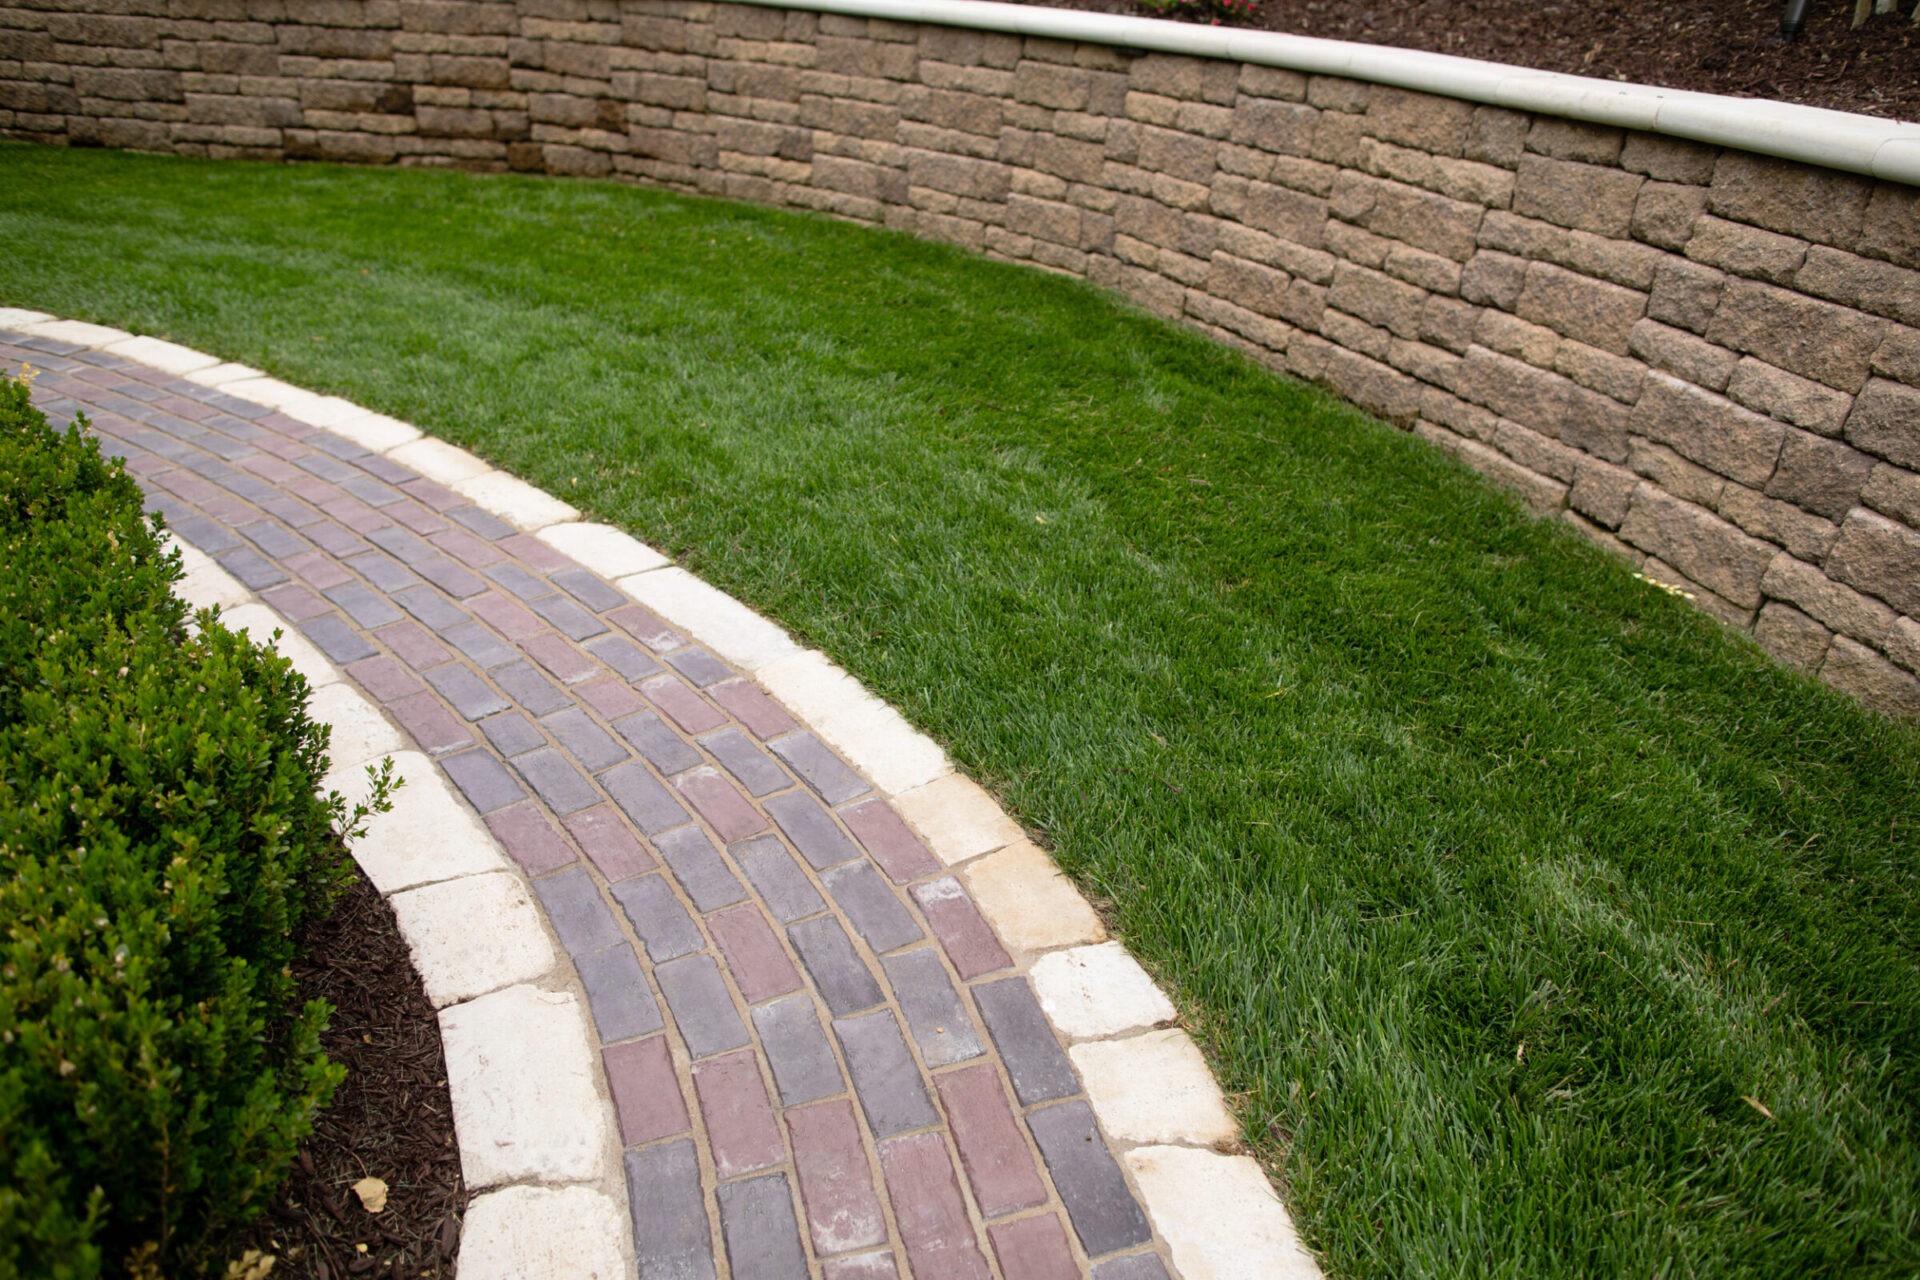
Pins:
<point x="822" y="1060"/>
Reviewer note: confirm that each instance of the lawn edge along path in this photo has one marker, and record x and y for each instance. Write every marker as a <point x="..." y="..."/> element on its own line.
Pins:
<point x="534" y="1112"/>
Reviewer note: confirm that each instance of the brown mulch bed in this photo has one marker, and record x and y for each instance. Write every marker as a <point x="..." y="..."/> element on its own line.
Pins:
<point x="391" y="1118"/>
<point x="1715" y="46"/>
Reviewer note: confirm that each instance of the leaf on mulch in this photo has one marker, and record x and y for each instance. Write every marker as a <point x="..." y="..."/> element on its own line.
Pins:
<point x="372" y="1193"/>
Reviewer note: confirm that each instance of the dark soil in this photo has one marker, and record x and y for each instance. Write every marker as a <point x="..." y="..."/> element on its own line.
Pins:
<point x="1715" y="46"/>
<point x="390" y="1119"/>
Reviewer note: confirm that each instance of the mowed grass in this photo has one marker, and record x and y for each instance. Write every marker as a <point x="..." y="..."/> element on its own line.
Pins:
<point x="1539" y="926"/>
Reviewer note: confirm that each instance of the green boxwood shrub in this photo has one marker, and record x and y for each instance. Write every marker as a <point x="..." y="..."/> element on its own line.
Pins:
<point x="160" y="846"/>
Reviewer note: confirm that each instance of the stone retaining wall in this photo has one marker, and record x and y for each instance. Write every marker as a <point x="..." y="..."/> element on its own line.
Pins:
<point x="1704" y="358"/>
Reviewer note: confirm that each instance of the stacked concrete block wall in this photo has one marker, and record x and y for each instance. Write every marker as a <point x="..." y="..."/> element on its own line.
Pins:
<point x="1707" y="359"/>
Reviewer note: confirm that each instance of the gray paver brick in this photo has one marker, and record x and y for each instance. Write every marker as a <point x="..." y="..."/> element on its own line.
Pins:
<point x="666" y="750"/>
<point x="935" y="1015"/>
<point x="812" y="830"/>
<point x="838" y="972"/>
<point x="568" y="618"/>
<point x="451" y="577"/>
<point x="699" y="666"/>
<point x="671" y="1237"/>
<point x="588" y="589"/>
<point x="333" y="637"/>
<point x="664" y="926"/>
<point x="275" y="539"/>
<point x="623" y="656"/>
<point x="772" y="870"/>
<point x="642" y="798"/>
<point x="480" y="644"/>
<point x="326" y="466"/>
<point x="373" y="492"/>
<point x="1137" y="1266"/>
<point x="471" y="696"/>
<point x="577" y="912"/>
<point x="409" y="547"/>
<point x="558" y="780"/>
<point x="699" y="868"/>
<point x="756" y="1219"/>
<point x="885" y="1077"/>
<point x="591" y="745"/>
<point x="872" y="906"/>
<point x="617" y="992"/>
<point x="519" y="581"/>
<point x="1105" y="1215"/>
<point x="824" y="771"/>
<point x="753" y="768"/>
<point x="511" y="733"/>
<point x="250" y="568"/>
<point x="210" y="536"/>
<point x="533" y="692"/>
<point x="702" y="1006"/>
<point x="1038" y="1066"/>
<point x="482" y="524"/>
<point x="384" y="572"/>
<point x="483" y="780"/>
<point x="804" y="1069"/>
<point x="431" y="607"/>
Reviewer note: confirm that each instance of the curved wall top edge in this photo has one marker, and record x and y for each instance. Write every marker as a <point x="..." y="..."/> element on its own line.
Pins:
<point x="1813" y="135"/>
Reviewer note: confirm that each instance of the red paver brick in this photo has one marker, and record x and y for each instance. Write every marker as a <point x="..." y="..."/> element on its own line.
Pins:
<point x="720" y="803"/>
<point x="1034" y="1249"/>
<point x="994" y="1152"/>
<point x="964" y="934"/>
<point x="524" y="832"/>
<point x="474" y="552"/>
<point x="752" y="708"/>
<point x="605" y="837"/>
<point x="740" y="1126"/>
<point x="646" y="1092"/>
<point x="433" y="494"/>
<point x="384" y="678"/>
<point x="429" y="723"/>
<point x="415" y="645"/>
<point x="645" y="626"/>
<point x="278" y="470"/>
<point x="934" y="1223"/>
<point x="530" y="551"/>
<point x="878" y="1265"/>
<point x="881" y="832"/>
<point x="413" y="515"/>
<point x="836" y="1184"/>
<point x="760" y="965"/>
<point x="611" y="697"/>
<point x="682" y="705"/>
<point x="509" y="617"/>
<point x="353" y="513"/>
<point x="552" y="651"/>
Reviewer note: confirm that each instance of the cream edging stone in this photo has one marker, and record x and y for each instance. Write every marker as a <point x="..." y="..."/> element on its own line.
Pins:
<point x="530" y="1108"/>
<point x="1812" y="135"/>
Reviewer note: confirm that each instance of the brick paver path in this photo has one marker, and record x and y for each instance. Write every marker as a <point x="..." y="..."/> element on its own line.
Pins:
<point x="821" y="1059"/>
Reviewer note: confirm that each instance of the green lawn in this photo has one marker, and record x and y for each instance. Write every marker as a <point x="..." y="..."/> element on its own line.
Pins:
<point x="1540" y="926"/>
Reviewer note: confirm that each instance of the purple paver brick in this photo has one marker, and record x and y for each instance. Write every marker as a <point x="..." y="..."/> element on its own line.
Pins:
<point x="604" y="837"/>
<point x="682" y="705"/>
<point x="433" y="494"/>
<point x="552" y="651"/>
<point x="646" y="1090"/>
<point x="384" y="680"/>
<point x="933" y="1218"/>
<point x="740" y="1126"/>
<point x="518" y="580"/>
<point x="558" y="780"/>
<point x="451" y="577"/>
<point x="416" y="516"/>
<point x="936" y="1018"/>
<point x="474" y="552"/>
<point x="1105" y="1215"/>
<point x="482" y="524"/>
<point x="702" y="1006"/>
<point x="529" y="550"/>
<point x="333" y="637"/>
<point x="577" y="912"/>
<point x="771" y="870"/>
<point x="532" y="691"/>
<point x="611" y="697"/>
<point x="720" y="803"/>
<point x="812" y="830"/>
<point x="617" y="992"/>
<point x="1035" y="1062"/>
<point x="416" y="648"/>
<point x="512" y="733"/>
<point x="877" y="1265"/>
<point x="870" y="903"/>
<point x="753" y="768"/>
<point x="804" y="1069"/>
<point x="430" y="724"/>
<point x="994" y="1152"/>
<point x="836" y="1186"/>
<point x="296" y="602"/>
<point x="623" y="656"/>
<point x="506" y="615"/>
<point x="402" y="543"/>
<point x="699" y="666"/>
<point x="664" y="749"/>
<point x="642" y="798"/>
<point x="384" y="572"/>
<point x="664" y="926"/>
<point x="210" y="537"/>
<point x="292" y="512"/>
<point x="822" y="770"/>
<point x="885" y="1077"/>
<point x="1034" y="1249"/>
<point x="471" y="696"/>
<point x="756" y="1221"/>
<point x="699" y="868"/>
<point x="646" y="627"/>
<point x="588" y="589"/>
<point x="247" y="566"/>
<point x="568" y="618"/>
<point x="591" y="745"/>
<point x="483" y="780"/>
<point x="480" y="644"/>
<point x="1138" y="1266"/>
<point x="523" y="830"/>
<point x="276" y="540"/>
<point x="964" y="935"/>
<point x="336" y="539"/>
<point x="839" y="974"/>
<point x="754" y="956"/>
<point x="893" y="845"/>
<point x="431" y="607"/>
